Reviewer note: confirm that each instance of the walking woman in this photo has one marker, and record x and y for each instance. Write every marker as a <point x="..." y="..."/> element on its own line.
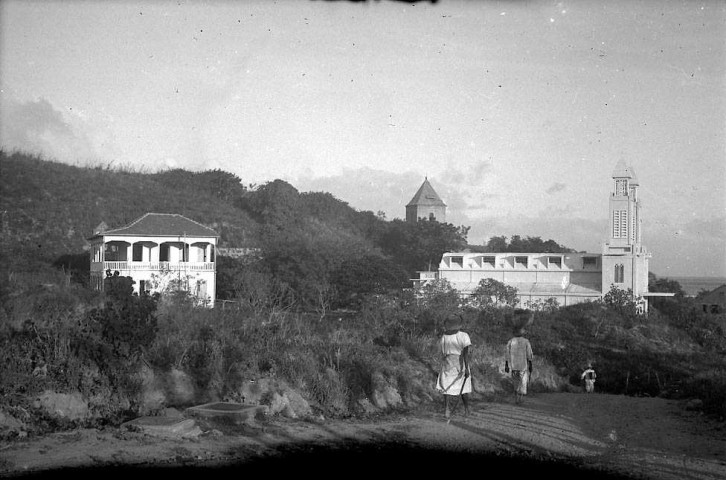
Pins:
<point x="454" y="377"/>
<point x="519" y="354"/>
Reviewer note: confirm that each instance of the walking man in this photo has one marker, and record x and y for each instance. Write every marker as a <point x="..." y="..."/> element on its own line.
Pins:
<point x="519" y="355"/>
<point x="454" y="377"/>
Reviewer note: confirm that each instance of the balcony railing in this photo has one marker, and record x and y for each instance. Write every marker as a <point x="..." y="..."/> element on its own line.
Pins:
<point x="153" y="266"/>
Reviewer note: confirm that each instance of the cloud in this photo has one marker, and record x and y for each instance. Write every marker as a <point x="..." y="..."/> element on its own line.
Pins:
<point x="556" y="187"/>
<point x="37" y="127"/>
<point x="468" y="175"/>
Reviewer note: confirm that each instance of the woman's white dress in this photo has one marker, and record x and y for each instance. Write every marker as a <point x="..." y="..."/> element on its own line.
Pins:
<point x="451" y="376"/>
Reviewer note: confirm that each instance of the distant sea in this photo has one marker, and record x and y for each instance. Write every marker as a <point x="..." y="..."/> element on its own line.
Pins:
<point x="693" y="285"/>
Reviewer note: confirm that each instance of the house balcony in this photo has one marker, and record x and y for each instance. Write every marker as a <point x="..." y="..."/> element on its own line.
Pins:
<point x="125" y="266"/>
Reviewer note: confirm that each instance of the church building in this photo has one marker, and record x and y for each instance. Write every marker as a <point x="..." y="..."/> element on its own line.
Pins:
<point x="569" y="278"/>
<point x="426" y="204"/>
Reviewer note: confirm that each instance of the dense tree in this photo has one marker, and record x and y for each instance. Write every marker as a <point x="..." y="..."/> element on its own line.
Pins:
<point x="436" y="300"/>
<point x="275" y="204"/>
<point x="420" y="245"/>
<point x="492" y="292"/>
<point x="656" y="284"/>
<point x="621" y="301"/>
<point x="528" y="244"/>
<point x="218" y="183"/>
<point x="357" y="277"/>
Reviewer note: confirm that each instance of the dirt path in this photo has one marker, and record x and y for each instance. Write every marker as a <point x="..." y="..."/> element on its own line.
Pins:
<point x="563" y="434"/>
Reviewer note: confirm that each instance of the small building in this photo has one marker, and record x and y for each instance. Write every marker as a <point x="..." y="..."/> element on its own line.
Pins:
<point x="160" y="252"/>
<point x="427" y="204"/>
<point x="714" y="301"/>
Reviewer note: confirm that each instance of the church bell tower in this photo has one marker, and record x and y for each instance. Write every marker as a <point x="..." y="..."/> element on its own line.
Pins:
<point x="624" y="259"/>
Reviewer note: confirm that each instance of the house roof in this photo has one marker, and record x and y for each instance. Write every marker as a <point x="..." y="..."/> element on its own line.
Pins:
<point x="716" y="296"/>
<point x="426" y="195"/>
<point x="161" y="224"/>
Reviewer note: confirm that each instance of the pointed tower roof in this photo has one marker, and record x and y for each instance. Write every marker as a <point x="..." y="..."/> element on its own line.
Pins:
<point x="623" y="171"/>
<point x="426" y="195"/>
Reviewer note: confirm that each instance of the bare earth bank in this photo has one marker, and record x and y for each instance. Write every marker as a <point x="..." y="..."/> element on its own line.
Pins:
<point x="563" y="434"/>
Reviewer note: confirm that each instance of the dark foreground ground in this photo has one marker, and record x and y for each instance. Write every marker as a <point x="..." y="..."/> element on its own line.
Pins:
<point x="565" y="435"/>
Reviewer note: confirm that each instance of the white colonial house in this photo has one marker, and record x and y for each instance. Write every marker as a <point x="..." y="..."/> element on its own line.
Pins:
<point x="160" y="252"/>
<point x="568" y="278"/>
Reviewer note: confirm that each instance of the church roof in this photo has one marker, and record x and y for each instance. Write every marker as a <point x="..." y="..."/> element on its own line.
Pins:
<point x="162" y="224"/>
<point x="426" y="195"/>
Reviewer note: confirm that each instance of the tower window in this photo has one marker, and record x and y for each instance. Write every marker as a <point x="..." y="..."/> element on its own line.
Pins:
<point x="621" y="187"/>
<point x="619" y="273"/>
<point x="620" y="224"/>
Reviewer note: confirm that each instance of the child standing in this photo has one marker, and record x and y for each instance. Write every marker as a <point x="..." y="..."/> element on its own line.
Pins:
<point x="589" y="376"/>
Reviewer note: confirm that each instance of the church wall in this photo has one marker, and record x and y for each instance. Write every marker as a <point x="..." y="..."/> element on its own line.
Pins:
<point x="586" y="278"/>
<point x="416" y="213"/>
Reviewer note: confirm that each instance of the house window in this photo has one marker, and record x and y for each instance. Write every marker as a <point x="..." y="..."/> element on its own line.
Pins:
<point x="589" y="262"/>
<point x="489" y="262"/>
<point x="554" y="262"/>
<point x="457" y="261"/>
<point x="520" y="262"/>
<point x="138" y="252"/>
<point x="619" y="273"/>
<point x="113" y="253"/>
<point x="164" y="252"/>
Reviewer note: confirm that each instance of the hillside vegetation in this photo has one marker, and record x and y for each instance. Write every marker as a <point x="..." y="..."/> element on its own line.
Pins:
<point x="324" y="308"/>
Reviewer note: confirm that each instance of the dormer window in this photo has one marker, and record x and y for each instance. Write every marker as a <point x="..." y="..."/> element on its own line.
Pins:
<point x="589" y="262"/>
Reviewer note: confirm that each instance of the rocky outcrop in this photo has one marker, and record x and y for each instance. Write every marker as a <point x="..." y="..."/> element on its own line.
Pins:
<point x="71" y="406"/>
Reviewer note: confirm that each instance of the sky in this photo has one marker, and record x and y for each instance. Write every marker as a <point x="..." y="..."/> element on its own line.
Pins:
<point x="517" y="112"/>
